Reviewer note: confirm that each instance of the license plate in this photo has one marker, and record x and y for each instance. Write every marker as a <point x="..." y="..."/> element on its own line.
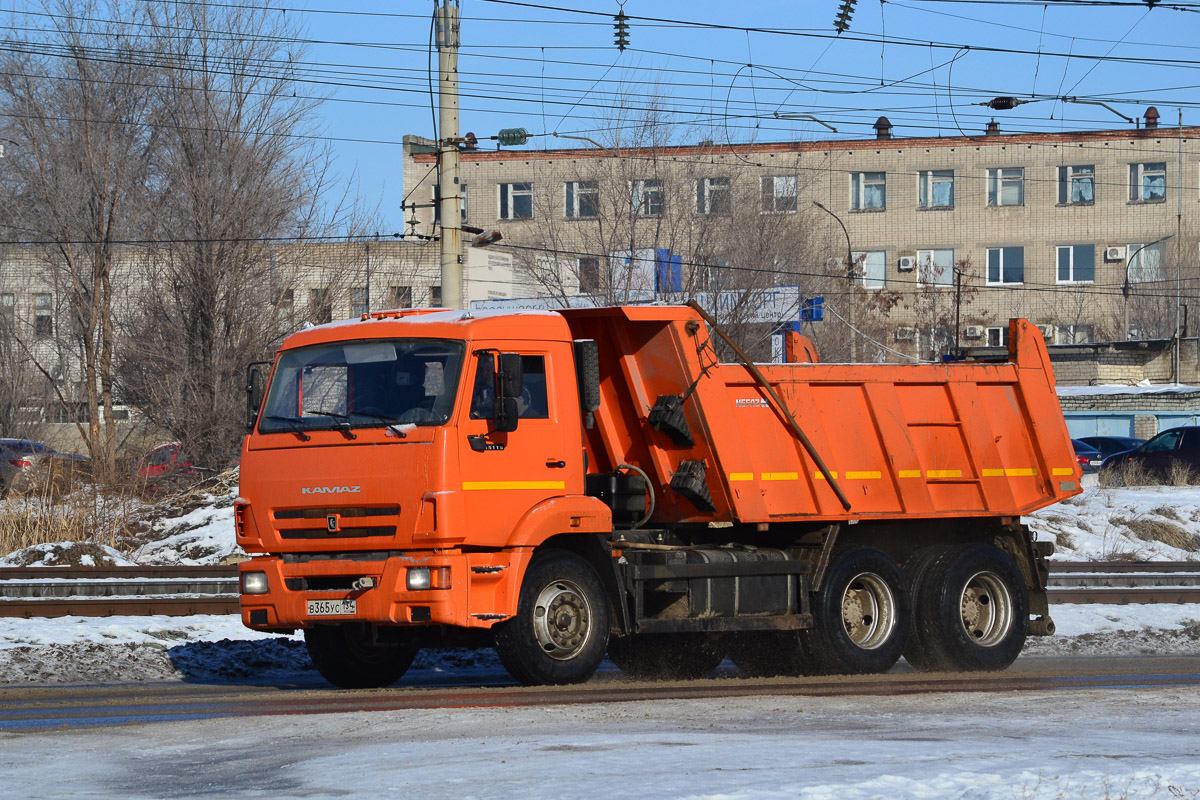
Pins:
<point x="331" y="608"/>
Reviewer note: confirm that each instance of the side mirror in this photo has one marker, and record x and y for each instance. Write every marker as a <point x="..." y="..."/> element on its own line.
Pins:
<point x="256" y="387"/>
<point x="509" y="380"/>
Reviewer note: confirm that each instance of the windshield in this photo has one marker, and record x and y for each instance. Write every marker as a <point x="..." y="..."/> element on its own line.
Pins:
<point x="362" y="384"/>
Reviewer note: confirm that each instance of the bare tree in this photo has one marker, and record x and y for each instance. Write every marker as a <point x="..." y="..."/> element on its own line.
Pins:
<point x="75" y="109"/>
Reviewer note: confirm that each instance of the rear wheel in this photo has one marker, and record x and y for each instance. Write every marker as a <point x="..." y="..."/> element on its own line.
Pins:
<point x="971" y="611"/>
<point x="667" y="657"/>
<point x="358" y="655"/>
<point x="860" y="615"/>
<point x="560" y="632"/>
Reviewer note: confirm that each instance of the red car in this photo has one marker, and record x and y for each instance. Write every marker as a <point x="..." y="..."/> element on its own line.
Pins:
<point x="165" y="463"/>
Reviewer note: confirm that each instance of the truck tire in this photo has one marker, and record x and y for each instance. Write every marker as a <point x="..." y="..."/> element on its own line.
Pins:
<point x="861" y="615"/>
<point x="917" y="651"/>
<point x="560" y="632"/>
<point x="774" y="654"/>
<point x="350" y="657"/>
<point x="971" y="611"/>
<point x="667" y="657"/>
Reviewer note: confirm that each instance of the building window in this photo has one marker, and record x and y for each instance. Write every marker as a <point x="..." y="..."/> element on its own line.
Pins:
<point x="285" y="301"/>
<point x="936" y="188"/>
<point x="1077" y="185"/>
<point x="401" y="297"/>
<point x="589" y="275"/>
<point x="1077" y="263"/>
<point x="1148" y="182"/>
<point x="779" y="194"/>
<point x="1006" y="187"/>
<point x="647" y="197"/>
<point x="435" y="296"/>
<point x="320" y="308"/>
<point x="1005" y="265"/>
<point x="516" y="201"/>
<point x="1146" y="263"/>
<point x="8" y="308"/>
<point x="935" y="268"/>
<point x="582" y="199"/>
<point x="359" y="302"/>
<point x="868" y="191"/>
<point x="1076" y="334"/>
<point x="712" y="196"/>
<point x="997" y="336"/>
<point x="872" y="268"/>
<point x="43" y="314"/>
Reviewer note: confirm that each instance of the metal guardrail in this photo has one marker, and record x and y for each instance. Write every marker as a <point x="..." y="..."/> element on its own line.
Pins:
<point x="183" y="591"/>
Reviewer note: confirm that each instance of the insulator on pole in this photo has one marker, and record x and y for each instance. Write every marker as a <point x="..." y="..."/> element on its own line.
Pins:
<point x="841" y="23"/>
<point x="621" y="30"/>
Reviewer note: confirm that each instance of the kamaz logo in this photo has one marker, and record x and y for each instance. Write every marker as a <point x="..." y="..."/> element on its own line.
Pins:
<point x="330" y="489"/>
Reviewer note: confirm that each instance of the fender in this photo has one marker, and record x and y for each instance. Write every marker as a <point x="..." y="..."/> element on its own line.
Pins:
<point x="570" y="514"/>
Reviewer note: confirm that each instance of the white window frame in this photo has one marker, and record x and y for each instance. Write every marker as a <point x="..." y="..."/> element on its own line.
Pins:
<point x="998" y="178"/>
<point x="927" y="182"/>
<point x="783" y="193"/>
<point x="359" y="301"/>
<point x="1066" y="334"/>
<point x="871" y="267"/>
<point x="573" y="194"/>
<point x="1135" y="265"/>
<point x="927" y="260"/>
<point x="580" y="272"/>
<point x="1073" y="252"/>
<point x="997" y="336"/>
<point x="508" y="194"/>
<point x="713" y="195"/>
<point x="1072" y="175"/>
<point x="860" y="182"/>
<point x="642" y="193"/>
<point x="43" y="310"/>
<point x="988" y="266"/>
<point x="1138" y="173"/>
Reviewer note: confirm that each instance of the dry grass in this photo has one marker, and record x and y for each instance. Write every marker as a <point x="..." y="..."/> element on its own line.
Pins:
<point x="1159" y="530"/>
<point x="1182" y="474"/>
<point x="89" y="514"/>
<point x="1127" y="473"/>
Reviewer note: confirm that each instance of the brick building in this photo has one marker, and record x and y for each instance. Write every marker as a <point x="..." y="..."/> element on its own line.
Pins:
<point x="1081" y="232"/>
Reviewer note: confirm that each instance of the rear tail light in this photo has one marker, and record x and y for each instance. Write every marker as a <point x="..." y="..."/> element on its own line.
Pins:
<point x="20" y="463"/>
<point x="1081" y="459"/>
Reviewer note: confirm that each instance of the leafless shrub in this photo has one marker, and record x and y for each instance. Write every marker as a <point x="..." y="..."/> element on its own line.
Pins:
<point x="1182" y="474"/>
<point x="1126" y="473"/>
<point x="87" y="515"/>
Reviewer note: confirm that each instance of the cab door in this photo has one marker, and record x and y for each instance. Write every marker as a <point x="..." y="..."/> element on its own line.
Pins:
<point x="507" y="474"/>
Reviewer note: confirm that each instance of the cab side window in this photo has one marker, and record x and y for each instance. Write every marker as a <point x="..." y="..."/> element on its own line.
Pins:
<point x="1191" y="439"/>
<point x="533" y="402"/>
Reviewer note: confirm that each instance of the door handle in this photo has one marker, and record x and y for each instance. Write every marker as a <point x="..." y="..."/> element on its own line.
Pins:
<point x="556" y="464"/>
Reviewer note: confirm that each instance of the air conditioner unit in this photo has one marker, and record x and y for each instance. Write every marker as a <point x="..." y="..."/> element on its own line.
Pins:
<point x="1115" y="253"/>
<point x="905" y="334"/>
<point x="907" y="263"/>
<point x="974" y="331"/>
<point x="1047" y="332"/>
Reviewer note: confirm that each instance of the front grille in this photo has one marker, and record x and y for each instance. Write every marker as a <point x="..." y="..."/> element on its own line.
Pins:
<point x="350" y="511"/>
<point x="344" y="533"/>
<point x="322" y="583"/>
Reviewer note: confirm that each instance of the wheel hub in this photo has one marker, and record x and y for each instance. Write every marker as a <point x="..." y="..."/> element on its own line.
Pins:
<point x="562" y="620"/>
<point x="986" y="609"/>
<point x="868" y="611"/>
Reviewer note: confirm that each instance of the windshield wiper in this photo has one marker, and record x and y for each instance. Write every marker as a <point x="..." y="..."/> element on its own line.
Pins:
<point x="294" y="424"/>
<point x="342" y="424"/>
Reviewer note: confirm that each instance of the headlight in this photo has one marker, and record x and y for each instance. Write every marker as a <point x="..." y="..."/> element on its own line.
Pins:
<point x="255" y="583"/>
<point x="417" y="578"/>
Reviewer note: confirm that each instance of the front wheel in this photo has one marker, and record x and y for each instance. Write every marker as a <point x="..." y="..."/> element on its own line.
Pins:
<point x="359" y="656"/>
<point x="560" y="632"/>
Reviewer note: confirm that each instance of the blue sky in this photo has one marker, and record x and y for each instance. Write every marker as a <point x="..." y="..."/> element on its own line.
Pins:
<point x="926" y="64"/>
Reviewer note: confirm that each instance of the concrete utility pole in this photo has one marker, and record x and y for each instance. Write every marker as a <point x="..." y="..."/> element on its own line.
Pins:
<point x="449" y="201"/>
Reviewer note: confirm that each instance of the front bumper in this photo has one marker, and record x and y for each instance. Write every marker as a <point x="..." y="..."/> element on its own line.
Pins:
<point x="482" y="590"/>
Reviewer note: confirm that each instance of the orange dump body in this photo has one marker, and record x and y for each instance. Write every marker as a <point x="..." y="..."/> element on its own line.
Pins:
<point x="902" y="441"/>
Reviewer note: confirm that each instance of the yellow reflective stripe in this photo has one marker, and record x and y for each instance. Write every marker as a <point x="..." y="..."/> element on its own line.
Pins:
<point x="944" y="473"/>
<point x="993" y="473"/>
<point x="781" y="476"/>
<point x="821" y="477"/>
<point x="909" y="473"/>
<point x="1063" y="471"/>
<point x="862" y="476"/>
<point x="475" y="486"/>
<point x="1020" y="472"/>
<point x="741" y="476"/>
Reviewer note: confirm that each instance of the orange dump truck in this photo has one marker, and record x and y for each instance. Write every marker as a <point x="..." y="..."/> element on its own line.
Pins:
<point x="562" y="485"/>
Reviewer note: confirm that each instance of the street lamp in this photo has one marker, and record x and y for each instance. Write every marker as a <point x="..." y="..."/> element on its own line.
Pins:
<point x="850" y="279"/>
<point x="1125" y="287"/>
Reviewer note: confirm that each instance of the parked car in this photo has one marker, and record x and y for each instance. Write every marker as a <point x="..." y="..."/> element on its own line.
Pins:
<point x="1159" y="456"/>
<point x="166" y="465"/>
<point x="26" y="465"/>
<point x="1111" y="445"/>
<point x="1089" y="458"/>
